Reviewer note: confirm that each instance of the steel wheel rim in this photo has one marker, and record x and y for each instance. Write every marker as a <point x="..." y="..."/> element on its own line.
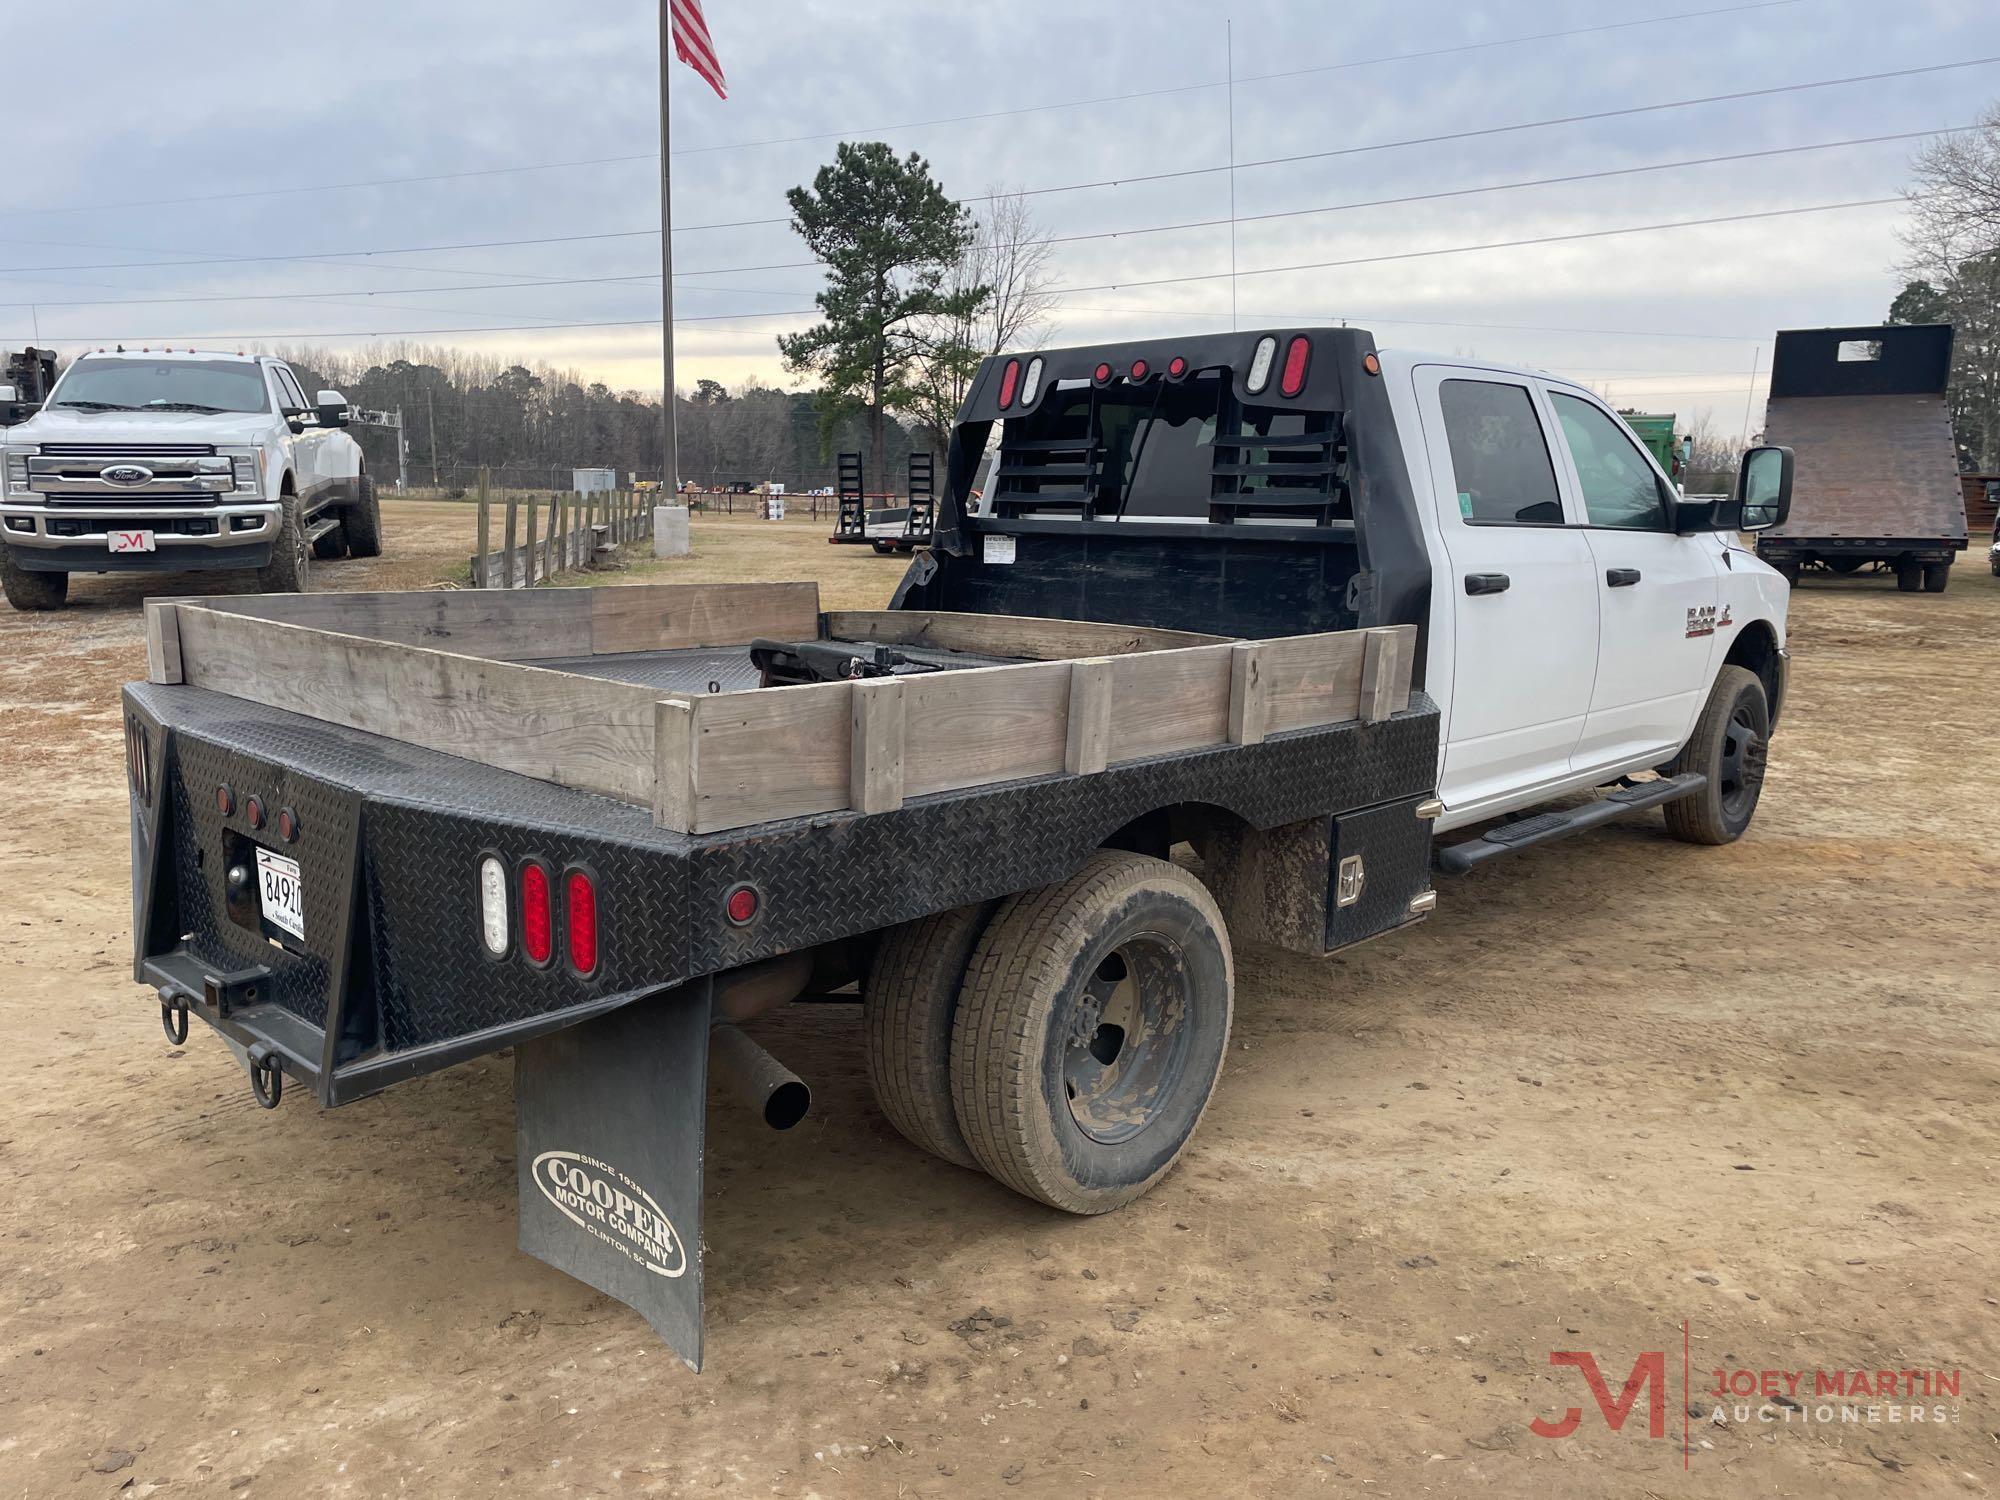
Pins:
<point x="1127" y="1039"/>
<point x="1742" y="770"/>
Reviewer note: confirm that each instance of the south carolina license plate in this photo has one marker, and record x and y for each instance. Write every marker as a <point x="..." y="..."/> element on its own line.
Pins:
<point x="131" y="541"/>
<point x="281" y="893"/>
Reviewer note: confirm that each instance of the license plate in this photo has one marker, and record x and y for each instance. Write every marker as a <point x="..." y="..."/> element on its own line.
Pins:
<point x="281" y="893"/>
<point x="132" y="541"/>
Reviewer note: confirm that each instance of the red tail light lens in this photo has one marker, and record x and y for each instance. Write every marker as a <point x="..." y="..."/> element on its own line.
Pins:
<point x="1176" y="367"/>
<point x="1293" y="379"/>
<point x="1138" y="369"/>
<point x="581" y="894"/>
<point x="1009" y="379"/>
<point x="1101" y="374"/>
<point x="537" y="925"/>
<point x="741" y="904"/>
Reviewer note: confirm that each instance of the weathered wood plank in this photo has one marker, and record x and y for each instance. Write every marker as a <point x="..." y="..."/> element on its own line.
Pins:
<point x="1164" y="701"/>
<point x="984" y="724"/>
<point x="1006" y="635"/>
<point x="1385" y="671"/>
<point x="1248" y="704"/>
<point x="482" y="565"/>
<point x="576" y="731"/>
<point x="163" y="641"/>
<point x="1310" y="679"/>
<point x="875" y="773"/>
<point x="771" y="753"/>
<point x="663" y="616"/>
<point x="1087" y="743"/>
<point x="673" y="766"/>
<point x="475" y="622"/>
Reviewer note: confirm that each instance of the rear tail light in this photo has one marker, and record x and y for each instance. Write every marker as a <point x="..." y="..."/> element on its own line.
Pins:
<point x="1031" y="386"/>
<point x="493" y="905"/>
<point x="253" y="809"/>
<point x="1101" y="374"/>
<point x="1293" y="380"/>
<point x="581" y="895"/>
<point x="1260" y="365"/>
<point x="1010" y="378"/>
<point x="537" y="921"/>
<point x="1176" y="367"/>
<point x="1138" y="369"/>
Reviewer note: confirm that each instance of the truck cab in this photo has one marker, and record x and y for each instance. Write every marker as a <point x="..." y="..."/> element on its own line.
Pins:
<point x="170" y="460"/>
<point x="1576" y="611"/>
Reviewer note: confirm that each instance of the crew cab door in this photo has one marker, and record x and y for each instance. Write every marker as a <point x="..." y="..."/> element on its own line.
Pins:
<point x="1517" y="581"/>
<point x="307" y="448"/>
<point x="1656" y="591"/>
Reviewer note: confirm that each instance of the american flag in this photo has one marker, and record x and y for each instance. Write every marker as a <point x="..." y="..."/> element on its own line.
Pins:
<point x="693" y="47"/>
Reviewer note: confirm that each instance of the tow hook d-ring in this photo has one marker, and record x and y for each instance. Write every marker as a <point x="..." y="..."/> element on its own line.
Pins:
<point x="267" y="1079"/>
<point x="174" y="1017"/>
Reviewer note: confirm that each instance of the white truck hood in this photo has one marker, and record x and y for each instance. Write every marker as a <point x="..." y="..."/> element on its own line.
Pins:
<point x="64" y="425"/>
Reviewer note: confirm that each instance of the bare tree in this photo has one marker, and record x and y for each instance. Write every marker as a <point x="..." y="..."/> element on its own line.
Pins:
<point x="1009" y="257"/>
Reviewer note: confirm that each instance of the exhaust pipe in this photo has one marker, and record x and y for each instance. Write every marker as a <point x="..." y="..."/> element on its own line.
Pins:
<point x="759" y="1079"/>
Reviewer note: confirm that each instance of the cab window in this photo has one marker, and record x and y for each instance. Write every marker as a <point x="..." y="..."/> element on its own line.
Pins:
<point x="1498" y="455"/>
<point x="1620" y="488"/>
<point x="289" y="394"/>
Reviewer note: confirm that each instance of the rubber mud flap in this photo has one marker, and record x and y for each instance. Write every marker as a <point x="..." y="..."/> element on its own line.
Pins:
<point x="608" y="1130"/>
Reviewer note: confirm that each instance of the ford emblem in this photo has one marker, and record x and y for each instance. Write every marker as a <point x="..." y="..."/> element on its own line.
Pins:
<point x="125" y="474"/>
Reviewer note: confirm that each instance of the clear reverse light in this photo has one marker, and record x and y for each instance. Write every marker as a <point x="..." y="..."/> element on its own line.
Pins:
<point x="1260" y="364"/>
<point x="1032" y="382"/>
<point x="493" y="906"/>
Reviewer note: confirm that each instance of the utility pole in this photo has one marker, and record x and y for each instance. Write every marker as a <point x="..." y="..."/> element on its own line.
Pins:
<point x="669" y="441"/>
<point x="402" y="453"/>
<point x="1229" y="66"/>
<point x="430" y="403"/>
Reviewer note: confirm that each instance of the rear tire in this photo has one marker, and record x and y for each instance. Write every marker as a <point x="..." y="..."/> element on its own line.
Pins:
<point x="1936" y="577"/>
<point x="362" y="521"/>
<point x="1909" y="577"/>
<point x="288" y="569"/>
<point x="1091" y="1030"/>
<point x="1788" y="570"/>
<point x="27" y="590"/>
<point x="332" y="545"/>
<point x="909" y="1000"/>
<point x="1728" y="747"/>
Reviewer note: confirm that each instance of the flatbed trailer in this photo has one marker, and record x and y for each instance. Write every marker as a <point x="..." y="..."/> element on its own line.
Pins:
<point x="1200" y="605"/>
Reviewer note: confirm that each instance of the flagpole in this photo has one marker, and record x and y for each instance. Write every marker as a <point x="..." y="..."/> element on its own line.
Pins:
<point x="669" y="442"/>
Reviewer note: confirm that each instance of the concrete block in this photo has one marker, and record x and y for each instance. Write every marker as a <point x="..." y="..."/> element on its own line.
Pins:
<point x="670" y="531"/>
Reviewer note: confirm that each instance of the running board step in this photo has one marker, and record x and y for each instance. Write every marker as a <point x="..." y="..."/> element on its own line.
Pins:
<point x="1511" y="838"/>
<point x="317" y="529"/>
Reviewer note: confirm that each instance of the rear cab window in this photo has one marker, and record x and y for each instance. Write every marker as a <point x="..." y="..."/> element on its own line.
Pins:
<point x="1499" y="455"/>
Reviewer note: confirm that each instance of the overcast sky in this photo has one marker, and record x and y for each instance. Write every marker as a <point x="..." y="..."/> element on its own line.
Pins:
<point x="213" y="106"/>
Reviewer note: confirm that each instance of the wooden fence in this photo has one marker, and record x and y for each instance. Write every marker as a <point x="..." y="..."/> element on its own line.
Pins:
<point x="562" y="534"/>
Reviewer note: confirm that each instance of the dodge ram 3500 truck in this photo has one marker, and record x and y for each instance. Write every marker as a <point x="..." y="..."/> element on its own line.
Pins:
<point x="1335" y="618"/>
<point x="158" y="461"/>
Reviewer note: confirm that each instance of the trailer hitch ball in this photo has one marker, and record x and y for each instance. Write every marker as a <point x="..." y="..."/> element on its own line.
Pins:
<point x="174" y="1017"/>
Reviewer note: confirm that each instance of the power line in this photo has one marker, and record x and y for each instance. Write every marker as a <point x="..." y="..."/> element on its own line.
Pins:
<point x="1373" y="318"/>
<point x="396" y="333"/>
<point x="594" y="161"/>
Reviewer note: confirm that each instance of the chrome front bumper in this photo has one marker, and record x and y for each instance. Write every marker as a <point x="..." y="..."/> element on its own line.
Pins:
<point x="30" y="524"/>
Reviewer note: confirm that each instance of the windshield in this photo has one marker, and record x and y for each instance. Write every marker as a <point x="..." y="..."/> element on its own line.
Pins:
<point x="163" y="385"/>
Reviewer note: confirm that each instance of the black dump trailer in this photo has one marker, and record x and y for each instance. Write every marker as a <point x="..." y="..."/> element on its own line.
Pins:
<point x="1876" y="484"/>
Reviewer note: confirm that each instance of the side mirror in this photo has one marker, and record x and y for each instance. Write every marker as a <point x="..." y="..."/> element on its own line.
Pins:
<point x="332" y="409"/>
<point x="1764" y="488"/>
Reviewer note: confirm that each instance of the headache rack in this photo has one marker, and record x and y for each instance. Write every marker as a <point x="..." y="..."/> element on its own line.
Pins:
<point x="1264" y="463"/>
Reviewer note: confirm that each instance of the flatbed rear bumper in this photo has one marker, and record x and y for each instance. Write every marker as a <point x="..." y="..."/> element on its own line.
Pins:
<point x="393" y="980"/>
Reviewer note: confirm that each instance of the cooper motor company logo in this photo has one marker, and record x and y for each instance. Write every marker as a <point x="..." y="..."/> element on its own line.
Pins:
<point x="604" y="1202"/>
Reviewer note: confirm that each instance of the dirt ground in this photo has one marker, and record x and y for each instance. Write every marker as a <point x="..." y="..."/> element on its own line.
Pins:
<point x="1614" y="1088"/>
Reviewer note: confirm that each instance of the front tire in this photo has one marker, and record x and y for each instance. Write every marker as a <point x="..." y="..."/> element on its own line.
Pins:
<point x="1728" y="746"/>
<point x="27" y="590"/>
<point x="1091" y="1030"/>
<point x="288" y="569"/>
<point x="362" y="521"/>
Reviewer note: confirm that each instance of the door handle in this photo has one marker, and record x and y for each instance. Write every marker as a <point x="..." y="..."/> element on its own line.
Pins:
<point x="1621" y="578"/>
<point x="1486" y="583"/>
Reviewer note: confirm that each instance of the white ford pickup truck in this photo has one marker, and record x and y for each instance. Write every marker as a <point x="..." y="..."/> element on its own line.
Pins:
<point x="159" y="461"/>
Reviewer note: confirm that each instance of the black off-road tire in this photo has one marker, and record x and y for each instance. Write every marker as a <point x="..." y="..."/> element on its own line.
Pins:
<point x="1937" y="576"/>
<point x="1728" y="746"/>
<point x="361" y="521"/>
<point x="27" y="590"/>
<point x="1789" y="571"/>
<point x="908" y="1001"/>
<point x="1909" y="577"/>
<point x="288" y="570"/>
<point x="1053" y="1097"/>
<point x="331" y="545"/>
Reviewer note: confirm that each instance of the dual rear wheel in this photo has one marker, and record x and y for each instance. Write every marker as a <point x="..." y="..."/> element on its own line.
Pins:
<point x="1067" y="1040"/>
